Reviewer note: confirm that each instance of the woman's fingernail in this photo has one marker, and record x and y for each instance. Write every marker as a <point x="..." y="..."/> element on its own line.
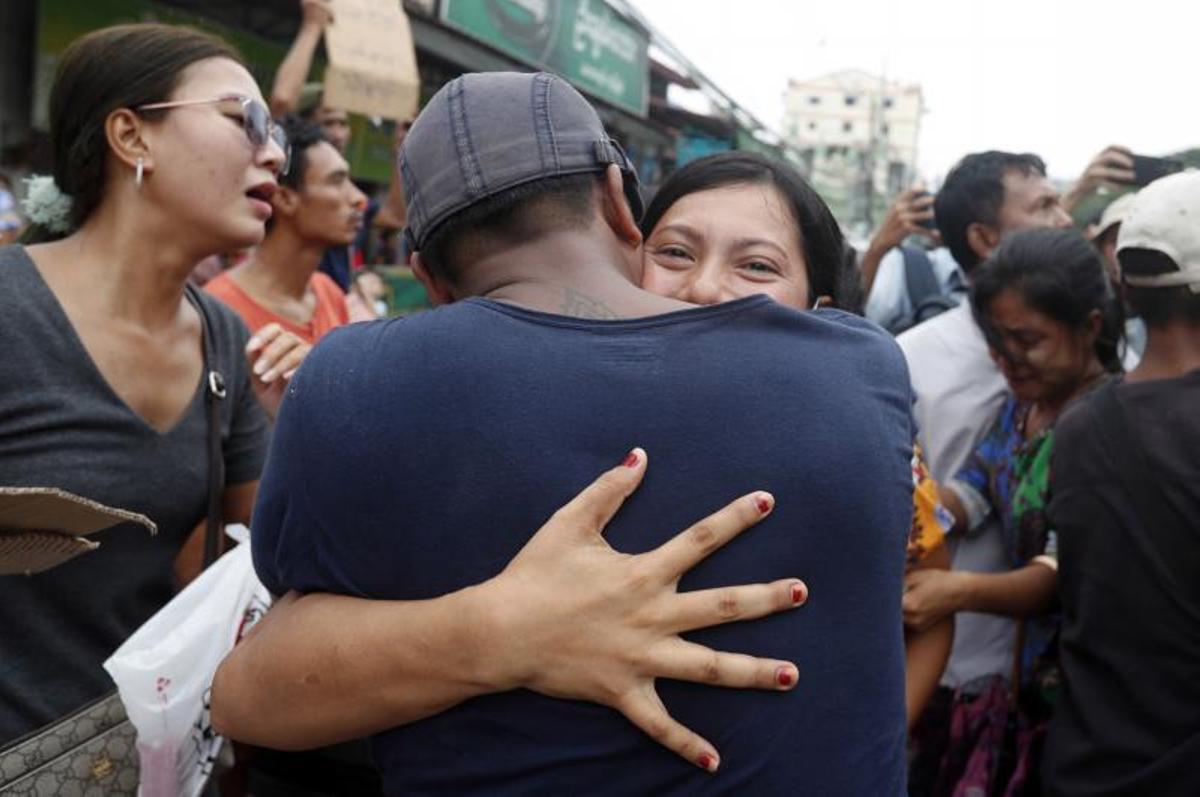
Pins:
<point x="763" y="502"/>
<point x="631" y="459"/>
<point x="707" y="762"/>
<point x="799" y="593"/>
<point x="785" y="676"/>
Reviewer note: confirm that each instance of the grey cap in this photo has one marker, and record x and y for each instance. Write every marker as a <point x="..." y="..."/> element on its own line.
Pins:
<point x="487" y="132"/>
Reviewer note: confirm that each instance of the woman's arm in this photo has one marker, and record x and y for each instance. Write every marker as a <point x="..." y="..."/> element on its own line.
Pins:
<point x="568" y="617"/>
<point x="926" y="651"/>
<point x="954" y="505"/>
<point x="933" y="594"/>
<point x="237" y="504"/>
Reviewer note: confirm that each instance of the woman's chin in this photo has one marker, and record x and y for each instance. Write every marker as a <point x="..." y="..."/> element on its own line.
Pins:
<point x="245" y="235"/>
<point x="1025" y="389"/>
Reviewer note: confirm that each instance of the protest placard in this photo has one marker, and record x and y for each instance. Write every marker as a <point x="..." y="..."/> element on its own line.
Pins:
<point x="372" y="66"/>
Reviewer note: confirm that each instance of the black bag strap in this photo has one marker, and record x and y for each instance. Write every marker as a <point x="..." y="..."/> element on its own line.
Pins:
<point x="214" y="384"/>
<point x="1129" y="454"/>
<point x="919" y="279"/>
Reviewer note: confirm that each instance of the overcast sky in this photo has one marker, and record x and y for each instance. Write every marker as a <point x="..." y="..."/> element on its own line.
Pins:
<point x="1062" y="78"/>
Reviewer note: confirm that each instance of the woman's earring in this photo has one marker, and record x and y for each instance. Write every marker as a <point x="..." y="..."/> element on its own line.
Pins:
<point x="137" y="178"/>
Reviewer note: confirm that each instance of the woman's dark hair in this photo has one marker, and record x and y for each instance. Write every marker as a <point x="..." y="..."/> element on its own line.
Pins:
<point x="1058" y="273"/>
<point x="302" y="135"/>
<point x="123" y="66"/>
<point x="820" y="237"/>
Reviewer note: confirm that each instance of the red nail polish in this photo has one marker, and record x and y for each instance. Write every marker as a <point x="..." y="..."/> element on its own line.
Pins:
<point x="631" y="460"/>
<point x="764" y="505"/>
<point x="784" y="677"/>
<point x="797" y="593"/>
<point x="707" y="762"/>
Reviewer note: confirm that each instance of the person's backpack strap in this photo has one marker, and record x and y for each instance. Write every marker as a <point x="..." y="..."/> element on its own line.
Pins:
<point x="214" y="392"/>
<point x="925" y="294"/>
<point x="1129" y="454"/>
<point x="919" y="279"/>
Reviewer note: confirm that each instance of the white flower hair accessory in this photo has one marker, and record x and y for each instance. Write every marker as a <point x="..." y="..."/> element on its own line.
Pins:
<point x="46" y="205"/>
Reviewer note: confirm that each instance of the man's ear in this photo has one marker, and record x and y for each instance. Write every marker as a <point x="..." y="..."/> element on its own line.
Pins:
<point x="1094" y="326"/>
<point x="982" y="238"/>
<point x="124" y="130"/>
<point x="439" y="290"/>
<point x="615" y="207"/>
<point x="286" y="201"/>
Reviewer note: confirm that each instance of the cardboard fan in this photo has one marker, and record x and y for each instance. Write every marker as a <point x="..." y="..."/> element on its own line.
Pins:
<point x="42" y="527"/>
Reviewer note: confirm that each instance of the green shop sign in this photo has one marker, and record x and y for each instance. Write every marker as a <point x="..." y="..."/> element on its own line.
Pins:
<point x="585" y="41"/>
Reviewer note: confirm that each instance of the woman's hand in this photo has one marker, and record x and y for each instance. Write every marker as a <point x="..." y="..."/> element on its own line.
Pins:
<point x="274" y="355"/>
<point x="568" y="617"/>
<point x="584" y="621"/>
<point x="930" y="595"/>
<point x="317" y="13"/>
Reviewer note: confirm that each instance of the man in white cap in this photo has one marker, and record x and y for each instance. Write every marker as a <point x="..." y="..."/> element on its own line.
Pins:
<point x="1104" y="238"/>
<point x="1125" y="503"/>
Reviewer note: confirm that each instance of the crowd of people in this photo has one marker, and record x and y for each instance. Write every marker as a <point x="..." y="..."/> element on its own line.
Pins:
<point x="928" y="512"/>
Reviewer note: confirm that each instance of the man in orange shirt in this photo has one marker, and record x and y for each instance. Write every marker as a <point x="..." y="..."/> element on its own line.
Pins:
<point x="315" y="206"/>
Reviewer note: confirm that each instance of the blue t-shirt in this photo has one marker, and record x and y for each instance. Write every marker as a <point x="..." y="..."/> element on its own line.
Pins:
<point x="414" y="457"/>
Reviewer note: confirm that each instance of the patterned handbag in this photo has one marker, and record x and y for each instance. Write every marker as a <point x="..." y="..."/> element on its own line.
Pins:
<point x="93" y="752"/>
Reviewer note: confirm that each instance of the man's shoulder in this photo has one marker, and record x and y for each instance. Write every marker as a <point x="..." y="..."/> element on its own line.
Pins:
<point x="222" y="282"/>
<point x="1083" y="452"/>
<point x="1079" y="418"/>
<point x="330" y="293"/>
<point x="226" y="290"/>
<point x="323" y="283"/>
<point x="949" y="334"/>
<point x="937" y="328"/>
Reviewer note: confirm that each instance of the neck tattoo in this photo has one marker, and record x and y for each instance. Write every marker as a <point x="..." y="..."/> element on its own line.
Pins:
<point x="576" y="305"/>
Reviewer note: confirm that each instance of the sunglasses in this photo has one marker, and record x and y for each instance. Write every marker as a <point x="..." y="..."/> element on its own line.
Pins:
<point x="256" y="122"/>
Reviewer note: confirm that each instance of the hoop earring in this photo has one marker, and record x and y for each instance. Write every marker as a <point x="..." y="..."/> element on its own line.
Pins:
<point x="137" y="177"/>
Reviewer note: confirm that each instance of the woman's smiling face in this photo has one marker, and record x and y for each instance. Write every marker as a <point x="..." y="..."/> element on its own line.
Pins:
<point x="727" y="243"/>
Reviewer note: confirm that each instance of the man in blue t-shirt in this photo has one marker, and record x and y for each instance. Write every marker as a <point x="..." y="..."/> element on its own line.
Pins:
<point x="412" y="457"/>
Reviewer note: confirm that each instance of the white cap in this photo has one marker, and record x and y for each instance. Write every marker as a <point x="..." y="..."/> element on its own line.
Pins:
<point x="1115" y="213"/>
<point x="1165" y="218"/>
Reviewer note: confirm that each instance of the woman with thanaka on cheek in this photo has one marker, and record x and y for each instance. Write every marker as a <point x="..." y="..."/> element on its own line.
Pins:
<point x="1053" y="326"/>
<point x="734" y="225"/>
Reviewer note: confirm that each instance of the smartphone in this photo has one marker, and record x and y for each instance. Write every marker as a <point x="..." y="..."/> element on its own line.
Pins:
<point x="929" y="224"/>
<point x="1147" y="169"/>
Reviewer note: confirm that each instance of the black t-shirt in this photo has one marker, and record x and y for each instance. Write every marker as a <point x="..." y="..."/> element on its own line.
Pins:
<point x="1128" y="722"/>
<point x="61" y="425"/>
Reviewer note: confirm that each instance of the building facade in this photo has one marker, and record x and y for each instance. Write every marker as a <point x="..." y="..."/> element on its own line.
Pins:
<point x="603" y="47"/>
<point x="858" y="135"/>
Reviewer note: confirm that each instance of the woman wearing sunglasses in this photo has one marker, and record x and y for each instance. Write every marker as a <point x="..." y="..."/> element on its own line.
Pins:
<point x="164" y="155"/>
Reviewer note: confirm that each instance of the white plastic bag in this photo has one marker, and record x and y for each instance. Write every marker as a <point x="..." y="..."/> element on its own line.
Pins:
<point x="165" y="670"/>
